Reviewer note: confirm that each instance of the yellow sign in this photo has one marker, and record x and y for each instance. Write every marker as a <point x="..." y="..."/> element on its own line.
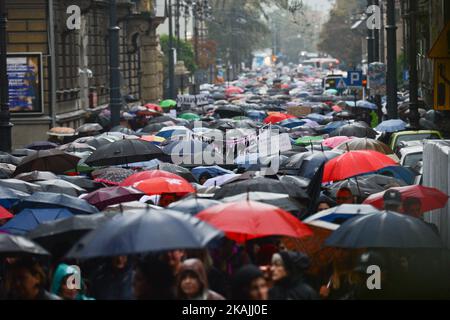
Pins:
<point x="440" y="54"/>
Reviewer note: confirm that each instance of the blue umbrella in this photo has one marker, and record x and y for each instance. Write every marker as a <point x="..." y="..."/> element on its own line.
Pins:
<point x="330" y="127"/>
<point x="193" y="205"/>
<point x="332" y="218"/>
<point x="144" y="231"/>
<point x="213" y="171"/>
<point x="399" y="172"/>
<point x="312" y="163"/>
<point x="56" y="200"/>
<point x="366" y="105"/>
<point x="8" y="197"/>
<point x="393" y="125"/>
<point x="292" y="123"/>
<point x="29" y="219"/>
<point x="256" y="115"/>
<point x="319" y="118"/>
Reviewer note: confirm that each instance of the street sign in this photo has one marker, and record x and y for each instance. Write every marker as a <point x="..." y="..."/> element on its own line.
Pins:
<point x="376" y="78"/>
<point x="355" y="79"/>
<point x="341" y="84"/>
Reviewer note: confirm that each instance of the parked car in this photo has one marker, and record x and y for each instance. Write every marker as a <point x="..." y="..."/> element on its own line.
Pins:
<point x="407" y="136"/>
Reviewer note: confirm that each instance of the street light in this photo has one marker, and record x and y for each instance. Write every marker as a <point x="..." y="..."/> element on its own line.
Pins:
<point x="5" y="117"/>
<point x="115" y="96"/>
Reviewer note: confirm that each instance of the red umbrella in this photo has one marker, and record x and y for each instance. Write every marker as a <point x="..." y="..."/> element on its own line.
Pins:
<point x="161" y="185"/>
<point x="5" y="214"/>
<point x="333" y="142"/>
<point x="233" y="90"/>
<point x="431" y="198"/>
<point x="246" y="220"/>
<point x="277" y="117"/>
<point x="146" y="175"/>
<point x="337" y="108"/>
<point x="154" y="107"/>
<point x="354" y="163"/>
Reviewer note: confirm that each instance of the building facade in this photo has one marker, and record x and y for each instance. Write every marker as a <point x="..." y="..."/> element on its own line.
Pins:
<point x="81" y="58"/>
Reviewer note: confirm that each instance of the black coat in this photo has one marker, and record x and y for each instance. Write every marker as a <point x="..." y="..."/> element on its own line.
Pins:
<point x="292" y="289"/>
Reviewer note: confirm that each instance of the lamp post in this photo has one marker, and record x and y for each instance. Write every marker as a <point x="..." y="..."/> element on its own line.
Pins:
<point x="391" y="79"/>
<point x="5" y="116"/>
<point x="171" y="51"/>
<point x="115" y="96"/>
<point x="412" y="62"/>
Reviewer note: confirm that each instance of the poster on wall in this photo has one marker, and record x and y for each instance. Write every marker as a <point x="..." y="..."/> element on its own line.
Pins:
<point x="25" y="77"/>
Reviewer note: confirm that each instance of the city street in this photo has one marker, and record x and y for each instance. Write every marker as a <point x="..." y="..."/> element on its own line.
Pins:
<point x="224" y="150"/>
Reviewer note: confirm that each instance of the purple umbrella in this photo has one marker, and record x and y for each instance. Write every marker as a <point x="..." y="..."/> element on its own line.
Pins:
<point x="105" y="197"/>
<point x="41" y="145"/>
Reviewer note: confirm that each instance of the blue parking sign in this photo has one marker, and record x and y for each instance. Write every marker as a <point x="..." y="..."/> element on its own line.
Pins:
<point x="355" y="79"/>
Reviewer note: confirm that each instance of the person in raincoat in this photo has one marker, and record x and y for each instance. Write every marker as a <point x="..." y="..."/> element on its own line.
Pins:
<point x="192" y="282"/>
<point x="249" y="283"/>
<point x="26" y="280"/>
<point x="62" y="280"/>
<point x="288" y="268"/>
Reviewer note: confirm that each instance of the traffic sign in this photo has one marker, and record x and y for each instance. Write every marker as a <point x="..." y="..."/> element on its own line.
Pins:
<point x="341" y="84"/>
<point x="355" y="79"/>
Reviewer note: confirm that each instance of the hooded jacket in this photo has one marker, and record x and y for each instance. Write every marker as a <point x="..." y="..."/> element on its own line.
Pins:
<point x="242" y="281"/>
<point x="293" y="287"/>
<point x="196" y="266"/>
<point x="61" y="272"/>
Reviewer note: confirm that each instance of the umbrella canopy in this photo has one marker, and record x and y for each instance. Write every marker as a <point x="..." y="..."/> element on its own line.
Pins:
<point x="212" y="171"/>
<point x="393" y="125"/>
<point x="153" y="139"/>
<point x="168" y="103"/>
<point x="18" y="245"/>
<point x="20" y="185"/>
<point x="384" y="230"/>
<point x="354" y="163"/>
<point x="246" y="220"/>
<point x="189" y="116"/>
<point x="354" y="130"/>
<point x="365" y="144"/>
<point x="75" y="147"/>
<point x="82" y="182"/>
<point x="430" y="198"/>
<point x="96" y="142"/>
<point x="233" y="90"/>
<point x="6" y="170"/>
<point x="169" y="133"/>
<point x="162" y="185"/>
<point x="220" y="180"/>
<point x="282" y="201"/>
<point x="145" y="175"/>
<point x="28" y="219"/>
<point x="308" y="140"/>
<point x="276" y="117"/>
<point x="173" y="168"/>
<point x="61" y="186"/>
<point x="366" y="105"/>
<point x="105" y="197"/>
<point x="123" y="130"/>
<point x="54" y="160"/>
<point x="89" y="128"/>
<point x="358" y="187"/>
<point x="111" y="176"/>
<point x="154" y="107"/>
<point x="5" y="214"/>
<point x="260" y="184"/>
<point x="41" y="145"/>
<point x="332" y="218"/>
<point x="229" y="111"/>
<point x="154" y="127"/>
<point x="318" y="118"/>
<point x="145" y="231"/>
<point x="293" y="122"/>
<point x="333" y="142"/>
<point x="36" y="176"/>
<point x="193" y="206"/>
<point x="45" y="200"/>
<point x="10" y="159"/>
<point x="312" y="162"/>
<point x="61" y="132"/>
<point x="60" y="235"/>
<point x="123" y="152"/>
<point x="8" y="197"/>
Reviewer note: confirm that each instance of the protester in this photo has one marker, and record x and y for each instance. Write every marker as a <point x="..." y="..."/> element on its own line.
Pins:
<point x="249" y="283"/>
<point x="344" y="196"/>
<point x="288" y="270"/>
<point x="392" y="200"/>
<point x="174" y="259"/>
<point x="192" y="282"/>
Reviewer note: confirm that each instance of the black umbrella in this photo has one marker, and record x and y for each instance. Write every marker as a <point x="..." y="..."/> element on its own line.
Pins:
<point x="123" y="152"/>
<point x="314" y="160"/>
<point x="122" y="130"/>
<point x="145" y="231"/>
<point x="260" y="184"/>
<point x="223" y="124"/>
<point x="382" y="180"/>
<point x="354" y="130"/>
<point x="41" y="145"/>
<point x="384" y="230"/>
<point x="18" y="245"/>
<point x="173" y="168"/>
<point x="54" y="160"/>
<point x="229" y="111"/>
<point x="10" y="159"/>
<point x="54" y="200"/>
<point x="152" y="128"/>
<point x="162" y="119"/>
<point x="20" y="185"/>
<point x="23" y="152"/>
<point x="193" y="205"/>
<point x="60" y="235"/>
<point x="361" y="187"/>
<point x="82" y="182"/>
<point x="36" y="176"/>
<point x="89" y="128"/>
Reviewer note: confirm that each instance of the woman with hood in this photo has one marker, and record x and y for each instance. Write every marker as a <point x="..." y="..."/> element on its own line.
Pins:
<point x="61" y="283"/>
<point x="249" y="284"/>
<point x="288" y="269"/>
<point x="192" y="282"/>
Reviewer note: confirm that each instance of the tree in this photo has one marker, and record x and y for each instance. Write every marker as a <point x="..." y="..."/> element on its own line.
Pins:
<point x="185" y="54"/>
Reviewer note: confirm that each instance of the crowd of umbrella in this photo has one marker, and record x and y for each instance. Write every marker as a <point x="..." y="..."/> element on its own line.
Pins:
<point x="86" y="198"/>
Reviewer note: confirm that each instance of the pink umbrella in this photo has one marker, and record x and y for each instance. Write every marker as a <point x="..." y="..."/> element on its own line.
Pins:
<point x="233" y="90"/>
<point x="335" y="141"/>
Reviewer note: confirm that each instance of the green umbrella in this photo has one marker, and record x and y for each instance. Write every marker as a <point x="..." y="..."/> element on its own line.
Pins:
<point x="190" y="116"/>
<point x="308" y="140"/>
<point x="168" y="103"/>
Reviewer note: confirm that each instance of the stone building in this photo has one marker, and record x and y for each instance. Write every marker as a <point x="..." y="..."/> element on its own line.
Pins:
<point x="82" y="58"/>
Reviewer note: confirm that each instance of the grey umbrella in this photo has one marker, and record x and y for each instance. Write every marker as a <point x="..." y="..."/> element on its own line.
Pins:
<point x="61" y="186"/>
<point x="20" y="185"/>
<point x="13" y="245"/>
